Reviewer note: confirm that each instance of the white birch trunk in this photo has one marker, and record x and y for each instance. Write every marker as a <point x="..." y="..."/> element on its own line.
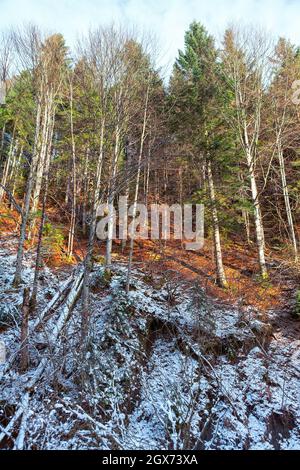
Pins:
<point x="74" y="181"/>
<point x="287" y="202"/>
<point x="259" y="230"/>
<point x="137" y="184"/>
<point x="221" y="278"/>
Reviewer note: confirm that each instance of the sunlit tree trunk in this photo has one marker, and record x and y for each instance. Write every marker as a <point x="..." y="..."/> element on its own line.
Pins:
<point x="92" y="231"/>
<point x="45" y="150"/>
<point x="287" y="202"/>
<point x="259" y="230"/>
<point x="137" y="184"/>
<point x="38" y="261"/>
<point x="74" y="181"/>
<point x="9" y="163"/>
<point x="26" y="205"/>
<point x="111" y="196"/>
<point x="221" y="278"/>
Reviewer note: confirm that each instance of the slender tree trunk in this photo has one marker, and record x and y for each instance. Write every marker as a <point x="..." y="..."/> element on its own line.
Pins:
<point x="147" y="172"/>
<point x="26" y="206"/>
<point x="15" y="163"/>
<point x="16" y="173"/>
<point x="9" y="164"/>
<point x="124" y="240"/>
<point x="245" y="216"/>
<point x="46" y="142"/>
<point x="38" y="260"/>
<point x="89" y="255"/>
<point x="2" y="142"/>
<point x="111" y="197"/>
<point x="74" y="187"/>
<point x="85" y="185"/>
<point x="287" y="202"/>
<point x="127" y="189"/>
<point x="67" y="197"/>
<point x="147" y="182"/>
<point x="137" y="184"/>
<point x="24" y="353"/>
<point x="221" y="278"/>
<point x="260" y="238"/>
<point x="244" y="212"/>
<point x="180" y="187"/>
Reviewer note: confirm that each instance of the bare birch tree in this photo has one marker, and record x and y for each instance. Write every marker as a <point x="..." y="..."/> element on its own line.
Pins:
<point x="246" y="68"/>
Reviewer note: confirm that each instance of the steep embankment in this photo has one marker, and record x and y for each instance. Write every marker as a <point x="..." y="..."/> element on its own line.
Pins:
<point x="166" y="367"/>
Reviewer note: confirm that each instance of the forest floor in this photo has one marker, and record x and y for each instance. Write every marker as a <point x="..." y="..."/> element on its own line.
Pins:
<point x="178" y="363"/>
<point x="240" y="264"/>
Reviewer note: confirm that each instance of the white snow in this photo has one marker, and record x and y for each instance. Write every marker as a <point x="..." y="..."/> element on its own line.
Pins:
<point x="138" y="386"/>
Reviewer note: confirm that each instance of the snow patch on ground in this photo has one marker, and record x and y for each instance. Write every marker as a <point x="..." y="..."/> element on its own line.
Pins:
<point x="142" y="385"/>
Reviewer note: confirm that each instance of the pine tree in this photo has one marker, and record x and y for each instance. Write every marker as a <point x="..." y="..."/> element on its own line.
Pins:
<point x="195" y="98"/>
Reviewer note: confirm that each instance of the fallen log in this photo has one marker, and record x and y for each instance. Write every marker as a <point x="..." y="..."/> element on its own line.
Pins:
<point x="19" y="442"/>
<point x="24" y="351"/>
<point x="22" y="410"/>
<point x="54" y="304"/>
<point x="18" y="413"/>
<point x="58" y="298"/>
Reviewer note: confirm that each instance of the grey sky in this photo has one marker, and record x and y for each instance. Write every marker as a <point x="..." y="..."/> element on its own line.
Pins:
<point x="167" y="18"/>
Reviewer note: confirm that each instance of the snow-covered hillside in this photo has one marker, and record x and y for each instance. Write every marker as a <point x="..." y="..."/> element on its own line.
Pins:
<point x="165" y="367"/>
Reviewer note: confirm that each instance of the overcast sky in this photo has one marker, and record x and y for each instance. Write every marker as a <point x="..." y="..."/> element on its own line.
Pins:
<point x="167" y="18"/>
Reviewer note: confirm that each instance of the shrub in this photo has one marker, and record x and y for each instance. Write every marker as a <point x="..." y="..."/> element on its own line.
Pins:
<point x="53" y="242"/>
<point x="297" y="306"/>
